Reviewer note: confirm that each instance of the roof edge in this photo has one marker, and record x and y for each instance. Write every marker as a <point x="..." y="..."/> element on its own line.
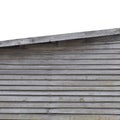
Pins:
<point x="60" y="37"/>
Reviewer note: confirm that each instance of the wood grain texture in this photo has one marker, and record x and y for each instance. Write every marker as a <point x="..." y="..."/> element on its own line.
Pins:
<point x="64" y="81"/>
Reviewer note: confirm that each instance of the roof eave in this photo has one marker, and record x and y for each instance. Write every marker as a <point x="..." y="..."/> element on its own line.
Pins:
<point x="60" y="37"/>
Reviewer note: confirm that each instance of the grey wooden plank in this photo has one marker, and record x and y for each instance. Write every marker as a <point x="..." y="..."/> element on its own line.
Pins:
<point x="60" y="77"/>
<point x="79" y="99"/>
<point x="59" y="67"/>
<point x="70" y="45"/>
<point x="57" y="117"/>
<point x="58" y="105"/>
<point x="61" y="93"/>
<point x="63" y="57"/>
<point x="85" y="111"/>
<point x="83" y="46"/>
<point x="60" y="72"/>
<point x="73" y="51"/>
<point x="60" y="83"/>
<point x="62" y="111"/>
<point x="102" y="40"/>
<point x="60" y="52"/>
<point x="59" y="88"/>
<point x="10" y="110"/>
<point x="52" y="62"/>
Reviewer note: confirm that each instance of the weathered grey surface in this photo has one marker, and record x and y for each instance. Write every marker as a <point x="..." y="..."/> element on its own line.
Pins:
<point x="70" y="80"/>
<point x="58" y="117"/>
<point x="62" y="37"/>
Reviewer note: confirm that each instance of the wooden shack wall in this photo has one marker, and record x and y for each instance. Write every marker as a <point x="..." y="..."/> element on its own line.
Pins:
<point x="70" y="80"/>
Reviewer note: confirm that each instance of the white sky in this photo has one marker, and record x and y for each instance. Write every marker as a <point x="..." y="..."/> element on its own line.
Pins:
<point x="30" y="18"/>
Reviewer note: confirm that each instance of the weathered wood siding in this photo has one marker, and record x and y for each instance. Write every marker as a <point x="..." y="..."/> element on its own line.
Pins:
<point x="70" y="80"/>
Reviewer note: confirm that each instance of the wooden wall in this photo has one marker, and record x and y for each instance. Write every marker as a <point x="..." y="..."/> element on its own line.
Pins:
<point x="71" y="80"/>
